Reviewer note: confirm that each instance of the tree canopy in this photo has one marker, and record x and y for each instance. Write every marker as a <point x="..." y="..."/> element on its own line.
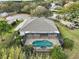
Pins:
<point x="4" y="26"/>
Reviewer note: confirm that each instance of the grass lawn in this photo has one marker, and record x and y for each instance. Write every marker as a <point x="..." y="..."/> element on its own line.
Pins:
<point x="73" y="35"/>
<point x="8" y="36"/>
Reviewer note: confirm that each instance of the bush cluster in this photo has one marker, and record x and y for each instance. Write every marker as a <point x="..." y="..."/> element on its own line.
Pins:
<point x="68" y="43"/>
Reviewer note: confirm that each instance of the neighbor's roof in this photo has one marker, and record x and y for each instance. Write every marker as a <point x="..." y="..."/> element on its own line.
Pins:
<point x="16" y="0"/>
<point x="38" y="25"/>
<point x="13" y="18"/>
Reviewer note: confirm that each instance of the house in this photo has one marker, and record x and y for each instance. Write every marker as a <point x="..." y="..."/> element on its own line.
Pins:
<point x="68" y="24"/>
<point x="19" y="0"/>
<point x="4" y="14"/>
<point x="55" y="6"/>
<point x="41" y="33"/>
<point x="13" y="18"/>
<point x="56" y="16"/>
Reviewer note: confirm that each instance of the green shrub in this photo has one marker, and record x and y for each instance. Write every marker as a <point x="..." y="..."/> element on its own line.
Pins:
<point x="68" y="43"/>
<point x="57" y="53"/>
<point x="28" y="49"/>
<point x="26" y="9"/>
<point x="39" y="11"/>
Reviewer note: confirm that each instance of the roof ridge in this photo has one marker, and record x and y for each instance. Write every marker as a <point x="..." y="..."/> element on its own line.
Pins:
<point x="29" y="21"/>
<point x="50" y="22"/>
<point x="39" y="25"/>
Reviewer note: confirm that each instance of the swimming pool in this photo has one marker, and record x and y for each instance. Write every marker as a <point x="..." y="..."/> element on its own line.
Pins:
<point x="42" y="43"/>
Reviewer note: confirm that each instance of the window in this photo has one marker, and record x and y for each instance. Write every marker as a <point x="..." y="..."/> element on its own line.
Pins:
<point x="43" y="35"/>
<point x="33" y="36"/>
<point x="29" y="36"/>
<point x="52" y="36"/>
<point x="36" y="36"/>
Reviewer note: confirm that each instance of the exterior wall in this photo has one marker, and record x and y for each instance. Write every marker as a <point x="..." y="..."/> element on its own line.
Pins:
<point x="28" y="39"/>
<point x="60" y="39"/>
<point x="41" y="36"/>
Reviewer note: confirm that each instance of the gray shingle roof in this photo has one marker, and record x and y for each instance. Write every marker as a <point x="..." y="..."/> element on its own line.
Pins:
<point x="39" y="25"/>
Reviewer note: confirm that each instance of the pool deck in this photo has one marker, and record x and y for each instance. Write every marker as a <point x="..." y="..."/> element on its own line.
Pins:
<point x="30" y="41"/>
<point x="38" y="49"/>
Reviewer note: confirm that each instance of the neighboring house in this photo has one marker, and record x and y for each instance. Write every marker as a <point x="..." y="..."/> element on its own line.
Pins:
<point x="4" y="14"/>
<point x="13" y="18"/>
<point x="68" y="24"/>
<point x="76" y="22"/>
<point x="54" y="6"/>
<point x="56" y="17"/>
<point x="41" y="33"/>
<point x="19" y="0"/>
<point x="27" y="0"/>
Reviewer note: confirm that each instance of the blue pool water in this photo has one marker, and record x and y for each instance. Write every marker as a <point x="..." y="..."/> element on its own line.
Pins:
<point x="42" y="43"/>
